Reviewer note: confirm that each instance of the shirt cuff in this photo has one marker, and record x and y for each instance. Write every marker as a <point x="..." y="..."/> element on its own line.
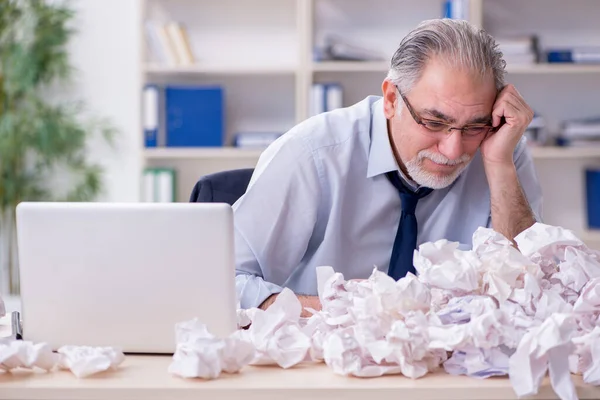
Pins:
<point x="253" y="290"/>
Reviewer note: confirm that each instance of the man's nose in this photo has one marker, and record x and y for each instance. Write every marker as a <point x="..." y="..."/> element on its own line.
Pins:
<point x="452" y="146"/>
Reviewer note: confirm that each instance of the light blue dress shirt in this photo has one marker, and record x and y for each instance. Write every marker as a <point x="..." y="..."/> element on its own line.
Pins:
<point x="319" y="196"/>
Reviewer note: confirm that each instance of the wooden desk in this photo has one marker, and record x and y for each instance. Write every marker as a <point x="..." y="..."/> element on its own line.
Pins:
<point x="146" y="377"/>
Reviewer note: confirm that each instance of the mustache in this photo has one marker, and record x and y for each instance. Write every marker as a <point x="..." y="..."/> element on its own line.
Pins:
<point x="441" y="159"/>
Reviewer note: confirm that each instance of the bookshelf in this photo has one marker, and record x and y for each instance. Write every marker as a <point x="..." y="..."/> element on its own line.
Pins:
<point x="261" y="52"/>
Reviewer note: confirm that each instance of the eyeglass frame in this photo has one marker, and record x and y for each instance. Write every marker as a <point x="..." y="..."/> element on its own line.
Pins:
<point x="449" y="128"/>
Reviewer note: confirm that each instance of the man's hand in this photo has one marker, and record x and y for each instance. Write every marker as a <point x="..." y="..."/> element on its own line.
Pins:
<point x="306" y="301"/>
<point x="498" y="147"/>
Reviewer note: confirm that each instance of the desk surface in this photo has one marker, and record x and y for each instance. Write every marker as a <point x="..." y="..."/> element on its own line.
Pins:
<point x="146" y="377"/>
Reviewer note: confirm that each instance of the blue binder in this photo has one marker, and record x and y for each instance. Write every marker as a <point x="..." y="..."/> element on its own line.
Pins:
<point x="150" y="110"/>
<point x="194" y="116"/>
<point x="592" y="180"/>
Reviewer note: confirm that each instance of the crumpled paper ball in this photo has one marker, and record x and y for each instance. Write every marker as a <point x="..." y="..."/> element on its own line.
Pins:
<point x="2" y="307"/>
<point x="84" y="361"/>
<point x="199" y="354"/>
<point x="23" y="354"/>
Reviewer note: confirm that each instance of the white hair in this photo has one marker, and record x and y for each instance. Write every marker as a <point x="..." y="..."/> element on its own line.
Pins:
<point x="456" y="41"/>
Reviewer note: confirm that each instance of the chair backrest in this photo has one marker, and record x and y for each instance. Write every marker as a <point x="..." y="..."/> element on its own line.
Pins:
<point x="222" y="187"/>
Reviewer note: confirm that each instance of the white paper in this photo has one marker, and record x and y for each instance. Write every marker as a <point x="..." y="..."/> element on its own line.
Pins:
<point x="24" y="354"/>
<point x="84" y="361"/>
<point x="441" y="264"/>
<point x="199" y="354"/>
<point x="276" y="335"/>
<point x="546" y="239"/>
<point x="2" y="307"/>
<point x="543" y="348"/>
<point x="478" y="362"/>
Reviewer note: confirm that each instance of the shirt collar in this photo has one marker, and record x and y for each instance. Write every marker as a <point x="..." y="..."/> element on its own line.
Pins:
<point x="381" y="155"/>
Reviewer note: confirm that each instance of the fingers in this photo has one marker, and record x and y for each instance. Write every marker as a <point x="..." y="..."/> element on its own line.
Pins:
<point x="497" y="113"/>
<point x="512" y="106"/>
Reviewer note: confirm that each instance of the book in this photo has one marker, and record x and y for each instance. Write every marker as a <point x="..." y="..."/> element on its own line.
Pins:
<point x="178" y="37"/>
<point x="160" y="43"/>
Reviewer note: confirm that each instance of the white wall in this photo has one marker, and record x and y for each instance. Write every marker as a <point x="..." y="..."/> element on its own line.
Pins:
<point x="105" y="53"/>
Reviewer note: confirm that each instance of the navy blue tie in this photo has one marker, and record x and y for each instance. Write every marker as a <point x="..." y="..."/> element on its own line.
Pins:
<point x="405" y="244"/>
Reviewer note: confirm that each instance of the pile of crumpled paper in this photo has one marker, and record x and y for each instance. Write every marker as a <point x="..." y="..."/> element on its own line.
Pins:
<point x="82" y="361"/>
<point x="493" y="310"/>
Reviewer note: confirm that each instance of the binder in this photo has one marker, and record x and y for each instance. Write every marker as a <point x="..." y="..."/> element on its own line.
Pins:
<point x="456" y="9"/>
<point x="159" y="185"/>
<point x="317" y="102"/>
<point x="333" y="99"/>
<point x="194" y="116"/>
<point x="150" y="118"/>
<point x="325" y="97"/>
<point x="592" y="180"/>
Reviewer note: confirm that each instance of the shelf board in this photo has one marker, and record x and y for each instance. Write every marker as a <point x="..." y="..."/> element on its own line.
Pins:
<point x="220" y="69"/>
<point x="591" y="238"/>
<point x="351" y="66"/>
<point x="592" y="235"/>
<point x="232" y="152"/>
<point x="201" y="153"/>
<point x="383" y="66"/>
<point x="549" y="152"/>
<point x="554" y="68"/>
<point x="554" y="152"/>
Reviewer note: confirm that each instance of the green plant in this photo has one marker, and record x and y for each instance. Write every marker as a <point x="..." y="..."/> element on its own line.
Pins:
<point x="40" y="138"/>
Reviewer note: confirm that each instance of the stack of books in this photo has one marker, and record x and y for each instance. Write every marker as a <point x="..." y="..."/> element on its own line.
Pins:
<point x="519" y="50"/>
<point x="169" y="43"/>
<point x="580" y="133"/>
<point x="335" y="48"/>
<point x="577" y="55"/>
<point x="255" y="140"/>
<point x="536" y="133"/>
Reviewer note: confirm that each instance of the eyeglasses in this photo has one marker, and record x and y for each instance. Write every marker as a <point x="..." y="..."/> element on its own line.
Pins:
<point x="440" y="130"/>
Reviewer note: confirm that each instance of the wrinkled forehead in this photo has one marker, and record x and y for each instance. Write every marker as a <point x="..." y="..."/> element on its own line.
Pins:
<point x="454" y="92"/>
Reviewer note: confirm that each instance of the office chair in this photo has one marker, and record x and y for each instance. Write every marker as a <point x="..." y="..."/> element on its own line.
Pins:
<point x="222" y="187"/>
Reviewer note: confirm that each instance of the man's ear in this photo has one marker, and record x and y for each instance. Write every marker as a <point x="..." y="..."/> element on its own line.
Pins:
<point x="389" y="98"/>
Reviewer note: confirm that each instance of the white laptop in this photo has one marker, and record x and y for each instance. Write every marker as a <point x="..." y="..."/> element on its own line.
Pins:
<point x="123" y="274"/>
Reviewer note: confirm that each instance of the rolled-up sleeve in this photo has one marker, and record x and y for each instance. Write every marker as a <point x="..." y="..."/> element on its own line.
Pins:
<point x="274" y="219"/>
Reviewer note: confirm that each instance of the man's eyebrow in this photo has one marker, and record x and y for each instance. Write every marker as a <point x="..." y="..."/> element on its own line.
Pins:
<point x="480" y="120"/>
<point x="439" y="115"/>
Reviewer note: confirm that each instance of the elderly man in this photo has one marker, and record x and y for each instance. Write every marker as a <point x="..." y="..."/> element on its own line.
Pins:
<point x="440" y="154"/>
